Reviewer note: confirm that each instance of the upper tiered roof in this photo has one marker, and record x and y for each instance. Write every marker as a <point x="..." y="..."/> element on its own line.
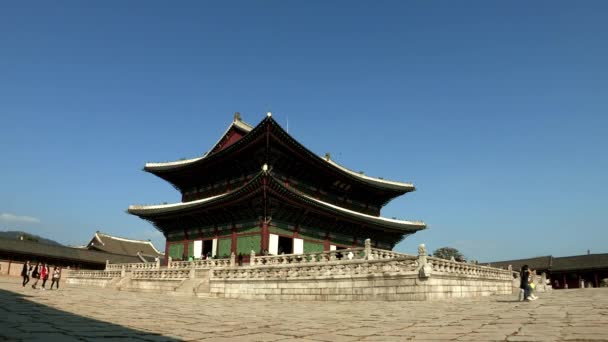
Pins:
<point x="236" y="144"/>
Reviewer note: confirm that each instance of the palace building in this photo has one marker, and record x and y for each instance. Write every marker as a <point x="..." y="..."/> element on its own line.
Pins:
<point x="259" y="189"/>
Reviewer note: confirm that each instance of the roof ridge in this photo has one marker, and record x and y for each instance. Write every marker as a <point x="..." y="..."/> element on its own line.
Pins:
<point x="235" y="123"/>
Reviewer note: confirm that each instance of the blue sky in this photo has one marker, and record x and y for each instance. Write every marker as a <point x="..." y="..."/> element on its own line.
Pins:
<point x="496" y="111"/>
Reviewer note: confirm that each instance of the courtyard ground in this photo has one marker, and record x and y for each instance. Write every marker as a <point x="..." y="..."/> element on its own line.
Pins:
<point x="84" y="314"/>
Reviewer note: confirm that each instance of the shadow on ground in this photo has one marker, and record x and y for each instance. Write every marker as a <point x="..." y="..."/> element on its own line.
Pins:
<point x="25" y="320"/>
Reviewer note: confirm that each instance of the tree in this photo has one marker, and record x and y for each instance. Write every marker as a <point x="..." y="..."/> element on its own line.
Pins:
<point x="447" y="253"/>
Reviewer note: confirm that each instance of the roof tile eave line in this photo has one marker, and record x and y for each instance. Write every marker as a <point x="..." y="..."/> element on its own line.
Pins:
<point x="409" y="186"/>
<point x="171" y="207"/>
<point x="178" y="205"/>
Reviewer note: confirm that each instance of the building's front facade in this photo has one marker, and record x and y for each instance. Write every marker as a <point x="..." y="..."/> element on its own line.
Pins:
<point x="259" y="189"/>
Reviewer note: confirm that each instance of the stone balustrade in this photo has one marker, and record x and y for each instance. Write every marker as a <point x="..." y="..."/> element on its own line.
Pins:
<point x="132" y="266"/>
<point x="349" y="268"/>
<point x="208" y="263"/>
<point x="168" y="274"/>
<point x="93" y="274"/>
<point x="461" y="268"/>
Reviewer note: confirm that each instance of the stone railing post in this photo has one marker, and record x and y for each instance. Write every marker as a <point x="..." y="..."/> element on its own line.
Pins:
<point x="169" y="261"/>
<point x="425" y="268"/>
<point x="158" y="263"/>
<point x="232" y="259"/>
<point x="368" y="249"/>
<point x="252" y="258"/>
<point x="107" y="264"/>
<point x="123" y="271"/>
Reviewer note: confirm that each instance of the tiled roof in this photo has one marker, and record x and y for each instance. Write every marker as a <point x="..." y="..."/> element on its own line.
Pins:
<point x="557" y="264"/>
<point x="537" y="263"/>
<point x="580" y="262"/>
<point x="39" y="250"/>
<point x="116" y="245"/>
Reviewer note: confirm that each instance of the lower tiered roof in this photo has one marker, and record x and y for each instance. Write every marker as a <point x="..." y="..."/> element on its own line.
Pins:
<point x="261" y="185"/>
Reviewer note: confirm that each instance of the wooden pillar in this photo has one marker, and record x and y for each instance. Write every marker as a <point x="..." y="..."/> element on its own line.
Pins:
<point x="166" y="251"/>
<point x="326" y="243"/>
<point x="565" y="286"/>
<point x="264" y="236"/>
<point x="233" y="236"/>
<point x="595" y="279"/>
<point x="186" y="240"/>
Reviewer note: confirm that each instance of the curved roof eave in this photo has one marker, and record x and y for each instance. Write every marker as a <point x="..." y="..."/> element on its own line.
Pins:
<point x="163" y="166"/>
<point x="400" y="185"/>
<point x="171" y="207"/>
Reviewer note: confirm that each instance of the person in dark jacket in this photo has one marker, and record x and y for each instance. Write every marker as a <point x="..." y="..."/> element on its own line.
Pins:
<point x="25" y="272"/>
<point x="36" y="275"/>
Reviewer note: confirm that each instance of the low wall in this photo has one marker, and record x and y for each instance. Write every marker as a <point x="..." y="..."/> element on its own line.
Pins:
<point x="92" y="278"/>
<point x="11" y="268"/>
<point x="395" y="279"/>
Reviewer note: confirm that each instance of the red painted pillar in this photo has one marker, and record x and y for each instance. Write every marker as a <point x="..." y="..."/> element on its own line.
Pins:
<point x="186" y="245"/>
<point x="265" y="236"/>
<point x="326" y="243"/>
<point x="233" y="235"/>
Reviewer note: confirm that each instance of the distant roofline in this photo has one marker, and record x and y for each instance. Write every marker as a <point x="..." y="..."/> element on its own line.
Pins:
<point x="126" y="240"/>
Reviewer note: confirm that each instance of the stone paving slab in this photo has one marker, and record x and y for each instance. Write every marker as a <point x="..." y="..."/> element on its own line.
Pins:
<point x="95" y="314"/>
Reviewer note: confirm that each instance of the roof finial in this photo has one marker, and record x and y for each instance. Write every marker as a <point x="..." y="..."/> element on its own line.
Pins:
<point x="237" y="116"/>
<point x="327" y="156"/>
<point x="268" y="114"/>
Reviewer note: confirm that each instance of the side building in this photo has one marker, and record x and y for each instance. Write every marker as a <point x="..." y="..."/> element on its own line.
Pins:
<point x="101" y="248"/>
<point x="259" y="189"/>
<point x="589" y="270"/>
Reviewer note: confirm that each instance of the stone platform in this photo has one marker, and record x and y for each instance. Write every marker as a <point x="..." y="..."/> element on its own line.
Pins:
<point x="91" y="313"/>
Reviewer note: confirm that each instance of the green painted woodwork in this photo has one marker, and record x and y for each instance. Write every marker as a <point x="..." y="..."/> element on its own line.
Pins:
<point x="191" y="249"/>
<point x="311" y="247"/>
<point x="256" y="229"/>
<point x="280" y="231"/>
<point x="311" y="233"/>
<point x="245" y="244"/>
<point x="176" y="251"/>
<point x="224" y="247"/>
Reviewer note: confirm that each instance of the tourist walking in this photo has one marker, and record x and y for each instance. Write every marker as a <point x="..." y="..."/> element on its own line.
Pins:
<point x="524" y="276"/>
<point x="36" y="275"/>
<point x="44" y="274"/>
<point x="56" y="276"/>
<point x="25" y="272"/>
